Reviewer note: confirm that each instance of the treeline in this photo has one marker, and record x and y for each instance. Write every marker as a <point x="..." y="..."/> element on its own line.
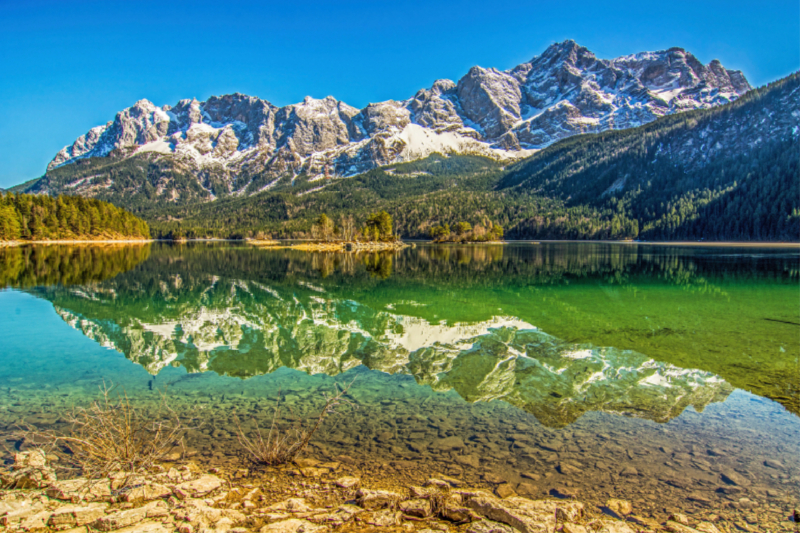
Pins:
<point x="465" y="232"/>
<point x="42" y="217"/>
<point x="378" y="228"/>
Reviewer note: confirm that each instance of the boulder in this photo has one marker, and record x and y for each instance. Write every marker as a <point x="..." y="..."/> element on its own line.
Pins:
<point x="528" y="516"/>
<point x="80" y="489"/>
<point x="30" y="459"/>
<point x="679" y="518"/>
<point x="147" y="492"/>
<point x="448" y="444"/>
<point x="707" y="527"/>
<point x="30" y="471"/>
<point x="338" y="516"/>
<point x="147" y="527"/>
<point x="677" y="527"/>
<point x="75" y="515"/>
<point x="380" y="518"/>
<point x="36" y="521"/>
<point x="438" y="483"/>
<point x="311" y="471"/>
<point x="199" y="512"/>
<point x="620" y="507"/>
<point x="198" y="487"/>
<point x="488" y="526"/>
<point x="347" y="482"/>
<point x="733" y="478"/>
<point x="420" y="508"/>
<point x="568" y="469"/>
<point x="505" y="490"/>
<point x="120" y="519"/>
<point x="377" y="499"/>
<point x="15" y="512"/>
<point x="574" y="528"/>
<point x="609" y="526"/>
<point x="292" y="504"/>
<point x="293" y="525"/>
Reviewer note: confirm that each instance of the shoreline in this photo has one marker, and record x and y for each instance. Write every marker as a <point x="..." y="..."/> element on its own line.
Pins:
<point x="340" y="247"/>
<point x="78" y="241"/>
<point x="283" y="243"/>
<point x="306" y="496"/>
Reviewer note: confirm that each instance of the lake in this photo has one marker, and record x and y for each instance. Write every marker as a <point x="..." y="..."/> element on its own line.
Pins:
<point x="666" y="375"/>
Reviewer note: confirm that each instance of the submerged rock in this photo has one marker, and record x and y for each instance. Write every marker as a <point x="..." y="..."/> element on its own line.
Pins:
<point x="620" y="507"/>
<point x="376" y="499"/>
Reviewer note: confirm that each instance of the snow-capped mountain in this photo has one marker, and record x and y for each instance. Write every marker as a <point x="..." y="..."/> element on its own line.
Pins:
<point x="500" y="114"/>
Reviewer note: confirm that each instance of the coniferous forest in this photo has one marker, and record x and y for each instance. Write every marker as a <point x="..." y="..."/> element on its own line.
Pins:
<point x="41" y="217"/>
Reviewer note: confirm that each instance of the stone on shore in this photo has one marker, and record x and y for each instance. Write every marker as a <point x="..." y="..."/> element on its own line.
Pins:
<point x="198" y="487"/>
<point x="30" y="471"/>
<point x="420" y="508"/>
<point x="292" y="504"/>
<point x="148" y="492"/>
<point x="80" y="489"/>
<point x="377" y="499"/>
<point x="75" y="515"/>
<point x="293" y="525"/>
<point x="347" y="482"/>
<point x="525" y="515"/>
<point x="380" y="518"/>
<point x="489" y="526"/>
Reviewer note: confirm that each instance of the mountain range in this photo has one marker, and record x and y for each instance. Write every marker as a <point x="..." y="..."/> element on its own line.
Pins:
<point x="654" y="145"/>
<point x="504" y="115"/>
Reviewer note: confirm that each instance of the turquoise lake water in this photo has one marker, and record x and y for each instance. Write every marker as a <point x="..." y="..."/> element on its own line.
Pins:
<point x="558" y="367"/>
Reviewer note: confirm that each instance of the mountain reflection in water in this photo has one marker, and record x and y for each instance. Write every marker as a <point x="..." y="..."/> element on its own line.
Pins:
<point x="555" y="330"/>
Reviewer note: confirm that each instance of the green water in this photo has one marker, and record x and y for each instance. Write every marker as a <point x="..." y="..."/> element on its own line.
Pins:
<point x="528" y="355"/>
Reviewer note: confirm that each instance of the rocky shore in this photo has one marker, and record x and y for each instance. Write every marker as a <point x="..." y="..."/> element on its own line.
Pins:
<point x="305" y="497"/>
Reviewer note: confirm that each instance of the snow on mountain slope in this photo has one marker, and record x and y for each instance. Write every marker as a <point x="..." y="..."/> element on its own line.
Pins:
<point x="499" y="114"/>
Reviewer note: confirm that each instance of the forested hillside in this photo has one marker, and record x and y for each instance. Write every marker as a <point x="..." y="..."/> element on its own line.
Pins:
<point x="724" y="173"/>
<point x="41" y="217"/>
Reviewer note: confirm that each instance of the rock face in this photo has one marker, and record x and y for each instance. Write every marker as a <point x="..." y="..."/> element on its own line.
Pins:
<point x="500" y="114"/>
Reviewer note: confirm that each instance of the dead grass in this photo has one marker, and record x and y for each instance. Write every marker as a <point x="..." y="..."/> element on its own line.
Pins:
<point x="285" y="440"/>
<point x="111" y="435"/>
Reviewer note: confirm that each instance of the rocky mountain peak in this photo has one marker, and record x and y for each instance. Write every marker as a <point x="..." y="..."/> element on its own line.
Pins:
<point x="505" y="115"/>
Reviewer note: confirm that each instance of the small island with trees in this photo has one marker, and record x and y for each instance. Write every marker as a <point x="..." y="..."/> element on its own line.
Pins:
<point x="464" y="232"/>
<point x="377" y="233"/>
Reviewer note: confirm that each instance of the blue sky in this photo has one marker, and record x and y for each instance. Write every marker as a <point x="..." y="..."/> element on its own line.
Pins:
<point x="70" y="65"/>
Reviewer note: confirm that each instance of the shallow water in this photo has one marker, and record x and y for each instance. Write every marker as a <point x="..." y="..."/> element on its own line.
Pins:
<point x="663" y="374"/>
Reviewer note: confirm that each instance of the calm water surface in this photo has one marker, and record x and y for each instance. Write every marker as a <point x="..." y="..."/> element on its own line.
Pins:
<point x="663" y="374"/>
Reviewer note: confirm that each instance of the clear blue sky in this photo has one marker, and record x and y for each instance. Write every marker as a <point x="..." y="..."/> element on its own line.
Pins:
<point x="70" y="65"/>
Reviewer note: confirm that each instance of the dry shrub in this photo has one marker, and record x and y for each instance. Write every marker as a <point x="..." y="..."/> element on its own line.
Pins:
<point x="112" y="435"/>
<point x="283" y="442"/>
